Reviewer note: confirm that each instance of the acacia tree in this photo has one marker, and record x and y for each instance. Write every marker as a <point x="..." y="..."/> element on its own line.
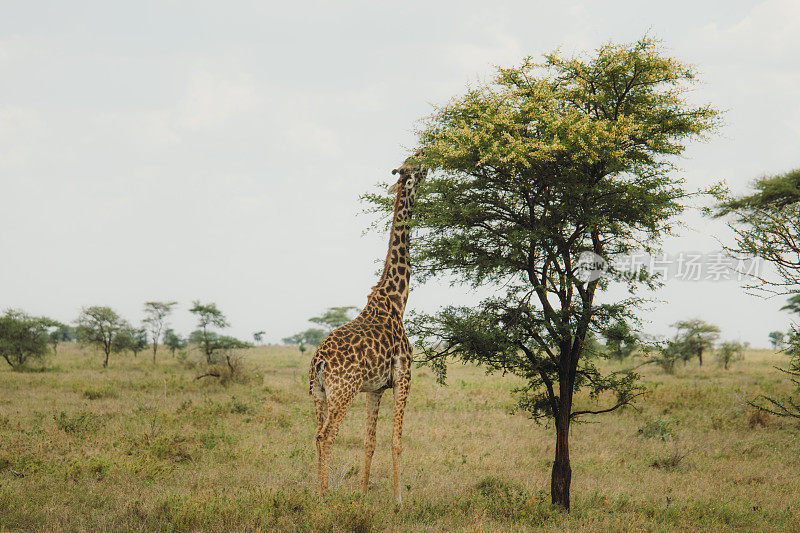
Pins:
<point x="551" y="161"/>
<point x="60" y="333"/>
<point x="311" y="337"/>
<point x="156" y="314"/>
<point x="729" y="351"/>
<point x="173" y="341"/>
<point x="620" y="339"/>
<point x="766" y="226"/>
<point x="99" y="326"/>
<point x="776" y="339"/>
<point x="695" y="336"/>
<point x="258" y="337"/>
<point x="208" y="317"/>
<point x="128" y="338"/>
<point x="334" y="317"/>
<point x="23" y="337"/>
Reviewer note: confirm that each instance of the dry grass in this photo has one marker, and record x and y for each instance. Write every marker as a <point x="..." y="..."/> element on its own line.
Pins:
<point x="138" y="447"/>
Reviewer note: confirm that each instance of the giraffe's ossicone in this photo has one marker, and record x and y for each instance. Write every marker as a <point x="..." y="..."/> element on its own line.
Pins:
<point x="371" y="353"/>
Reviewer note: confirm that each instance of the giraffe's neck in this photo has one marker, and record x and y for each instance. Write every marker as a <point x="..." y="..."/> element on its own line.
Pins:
<point x="396" y="270"/>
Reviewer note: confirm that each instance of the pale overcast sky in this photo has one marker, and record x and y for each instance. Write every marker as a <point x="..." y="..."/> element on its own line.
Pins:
<point x="165" y="150"/>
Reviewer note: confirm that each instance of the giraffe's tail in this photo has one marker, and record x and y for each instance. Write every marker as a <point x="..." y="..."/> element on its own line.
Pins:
<point x="315" y="374"/>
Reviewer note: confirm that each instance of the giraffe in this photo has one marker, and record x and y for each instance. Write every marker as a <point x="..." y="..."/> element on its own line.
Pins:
<point x="371" y="353"/>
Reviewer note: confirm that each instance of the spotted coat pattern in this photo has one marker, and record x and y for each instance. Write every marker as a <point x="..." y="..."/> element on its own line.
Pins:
<point x="371" y="353"/>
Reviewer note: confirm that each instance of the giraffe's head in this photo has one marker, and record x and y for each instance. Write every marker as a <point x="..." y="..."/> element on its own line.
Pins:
<point x="410" y="175"/>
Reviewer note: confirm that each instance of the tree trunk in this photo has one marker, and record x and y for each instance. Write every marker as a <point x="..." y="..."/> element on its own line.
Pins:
<point x="562" y="472"/>
<point x="700" y="356"/>
<point x="105" y="361"/>
<point x="155" y="347"/>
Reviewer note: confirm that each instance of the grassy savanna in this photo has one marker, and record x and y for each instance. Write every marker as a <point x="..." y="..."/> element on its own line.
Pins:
<point x="144" y="447"/>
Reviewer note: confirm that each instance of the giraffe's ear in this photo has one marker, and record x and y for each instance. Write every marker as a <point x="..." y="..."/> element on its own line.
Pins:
<point x="393" y="189"/>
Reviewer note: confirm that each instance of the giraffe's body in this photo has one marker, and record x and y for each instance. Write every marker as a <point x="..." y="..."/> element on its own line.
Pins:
<point x="371" y="353"/>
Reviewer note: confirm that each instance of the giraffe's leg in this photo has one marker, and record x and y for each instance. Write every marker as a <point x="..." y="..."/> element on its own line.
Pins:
<point x="401" y="387"/>
<point x="338" y="403"/>
<point x="320" y="400"/>
<point x="321" y="409"/>
<point x="373" y="404"/>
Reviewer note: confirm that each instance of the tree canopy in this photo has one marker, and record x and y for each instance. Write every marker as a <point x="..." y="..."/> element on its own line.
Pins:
<point x="792" y="304"/>
<point x="769" y="192"/>
<point x="552" y="160"/>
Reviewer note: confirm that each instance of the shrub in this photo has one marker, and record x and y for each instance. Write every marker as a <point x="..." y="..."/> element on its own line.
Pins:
<point x="667" y="355"/>
<point x="757" y="417"/>
<point x="729" y="352"/>
<point x="239" y="407"/>
<point x="672" y="460"/>
<point x="78" y="423"/>
<point x="657" y="428"/>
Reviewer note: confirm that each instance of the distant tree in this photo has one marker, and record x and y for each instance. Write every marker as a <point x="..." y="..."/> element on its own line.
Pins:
<point x="132" y="339"/>
<point x="173" y="341"/>
<point x="729" y="352"/>
<point x="620" y="339"/>
<point x="60" y="333"/>
<point x="156" y="314"/>
<point x="258" y="337"/>
<point x="311" y="336"/>
<point x="331" y="319"/>
<point x="216" y="345"/>
<point x="776" y="339"/>
<point x="228" y="350"/>
<point x="334" y="317"/>
<point x="99" y="326"/>
<point x="208" y="317"/>
<point x="123" y="341"/>
<point x="696" y="336"/>
<point x="225" y="342"/>
<point x="140" y="342"/>
<point x="667" y="353"/>
<point x="23" y="337"/>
